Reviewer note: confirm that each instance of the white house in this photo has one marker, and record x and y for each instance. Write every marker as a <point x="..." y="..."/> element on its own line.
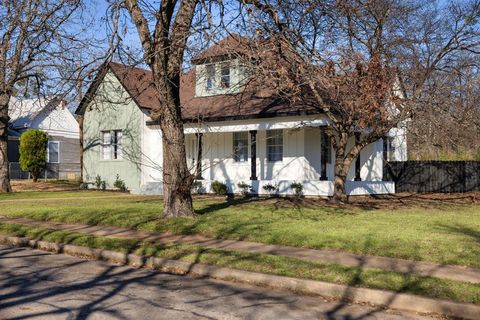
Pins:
<point x="231" y="138"/>
<point x="53" y="117"/>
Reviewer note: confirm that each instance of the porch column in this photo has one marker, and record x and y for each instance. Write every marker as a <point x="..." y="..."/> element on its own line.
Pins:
<point x="253" y="154"/>
<point x="357" y="161"/>
<point x="323" y="154"/>
<point x="199" y="156"/>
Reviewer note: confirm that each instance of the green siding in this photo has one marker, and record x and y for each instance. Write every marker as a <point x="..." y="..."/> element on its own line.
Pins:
<point x="112" y="109"/>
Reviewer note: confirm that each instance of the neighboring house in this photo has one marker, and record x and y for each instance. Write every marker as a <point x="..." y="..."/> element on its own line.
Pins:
<point x="231" y="136"/>
<point x="53" y="117"/>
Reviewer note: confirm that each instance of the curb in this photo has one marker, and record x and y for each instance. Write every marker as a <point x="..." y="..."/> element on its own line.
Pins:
<point x="385" y="298"/>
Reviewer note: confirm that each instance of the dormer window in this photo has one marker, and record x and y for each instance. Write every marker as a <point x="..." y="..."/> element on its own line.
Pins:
<point x="210" y="76"/>
<point x="225" y="75"/>
<point x="217" y="78"/>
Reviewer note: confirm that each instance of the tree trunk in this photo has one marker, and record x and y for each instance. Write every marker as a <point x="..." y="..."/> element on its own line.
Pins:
<point x="177" y="179"/>
<point x="342" y="166"/>
<point x="4" y="166"/>
<point x="343" y="161"/>
<point x="34" y="177"/>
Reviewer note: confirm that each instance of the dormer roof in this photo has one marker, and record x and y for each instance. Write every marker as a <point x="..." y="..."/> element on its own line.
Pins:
<point x="228" y="48"/>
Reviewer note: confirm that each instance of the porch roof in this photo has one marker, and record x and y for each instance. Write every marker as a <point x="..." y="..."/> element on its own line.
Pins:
<point x="291" y="122"/>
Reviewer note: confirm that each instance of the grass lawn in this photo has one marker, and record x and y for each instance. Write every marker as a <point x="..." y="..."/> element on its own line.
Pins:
<point x="442" y="232"/>
<point x="331" y="272"/>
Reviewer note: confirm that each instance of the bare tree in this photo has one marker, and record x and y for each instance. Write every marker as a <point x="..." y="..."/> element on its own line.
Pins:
<point x="163" y="30"/>
<point x="364" y="64"/>
<point x="40" y="44"/>
<point x="447" y="127"/>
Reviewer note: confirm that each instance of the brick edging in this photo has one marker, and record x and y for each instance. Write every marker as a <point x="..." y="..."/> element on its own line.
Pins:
<point x="385" y="298"/>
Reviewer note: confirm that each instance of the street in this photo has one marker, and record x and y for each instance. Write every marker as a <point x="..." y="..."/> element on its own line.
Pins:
<point x="39" y="285"/>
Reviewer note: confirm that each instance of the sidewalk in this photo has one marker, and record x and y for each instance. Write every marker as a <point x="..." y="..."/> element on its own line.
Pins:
<point x="390" y="264"/>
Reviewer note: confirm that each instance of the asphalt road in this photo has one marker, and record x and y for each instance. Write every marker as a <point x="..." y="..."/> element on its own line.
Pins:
<point x="38" y="285"/>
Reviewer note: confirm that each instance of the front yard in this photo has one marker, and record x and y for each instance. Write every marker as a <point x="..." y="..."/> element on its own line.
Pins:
<point x="438" y="231"/>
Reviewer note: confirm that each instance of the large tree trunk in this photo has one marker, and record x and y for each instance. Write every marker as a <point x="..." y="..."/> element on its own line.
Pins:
<point x="177" y="179"/>
<point x="4" y="167"/>
<point x="342" y="165"/>
<point x="343" y="161"/>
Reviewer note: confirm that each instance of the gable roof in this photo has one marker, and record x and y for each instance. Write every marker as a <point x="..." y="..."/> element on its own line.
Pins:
<point x="245" y="105"/>
<point x="231" y="46"/>
<point x="251" y="103"/>
<point x="23" y="112"/>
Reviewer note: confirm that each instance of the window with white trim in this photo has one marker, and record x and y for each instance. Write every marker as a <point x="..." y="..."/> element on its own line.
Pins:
<point x="225" y="75"/>
<point x="210" y="75"/>
<point x="112" y="145"/>
<point x="53" y="154"/>
<point x="275" y="145"/>
<point x="240" y="146"/>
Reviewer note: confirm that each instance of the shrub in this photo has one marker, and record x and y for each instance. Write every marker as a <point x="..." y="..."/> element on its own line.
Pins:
<point x="244" y="188"/>
<point x="197" y="186"/>
<point x="99" y="183"/>
<point x="297" y="187"/>
<point x="270" y="188"/>
<point x="83" y="186"/>
<point x="119" y="184"/>
<point x="33" y="152"/>
<point x="219" y="188"/>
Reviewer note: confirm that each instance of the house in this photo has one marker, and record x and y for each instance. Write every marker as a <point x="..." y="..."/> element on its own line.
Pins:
<point x="53" y="117"/>
<point x="231" y="136"/>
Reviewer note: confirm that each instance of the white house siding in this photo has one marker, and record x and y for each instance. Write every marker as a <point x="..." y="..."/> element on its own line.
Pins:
<point x="301" y="159"/>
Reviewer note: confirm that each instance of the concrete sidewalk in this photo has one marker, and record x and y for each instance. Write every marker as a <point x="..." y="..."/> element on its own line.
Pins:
<point x="450" y="272"/>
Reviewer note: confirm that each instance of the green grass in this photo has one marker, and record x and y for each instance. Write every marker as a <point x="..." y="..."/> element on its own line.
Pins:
<point x="442" y="233"/>
<point x="330" y="272"/>
<point x="30" y="195"/>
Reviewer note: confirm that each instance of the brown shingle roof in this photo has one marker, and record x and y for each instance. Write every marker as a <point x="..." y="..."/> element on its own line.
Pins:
<point x="138" y="83"/>
<point x="229" y="47"/>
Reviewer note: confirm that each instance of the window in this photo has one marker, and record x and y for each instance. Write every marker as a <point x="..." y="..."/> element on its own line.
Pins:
<point x="117" y="144"/>
<point x="240" y="146"/>
<point x="112" y="145"/>
<point x="53" y="152"/>
<point x="210" y="76"/>
<point x="388" y="149"/>
<point x="225" y="73"/>
<point x="106" y="145"/>
<point x="275" y="145"/>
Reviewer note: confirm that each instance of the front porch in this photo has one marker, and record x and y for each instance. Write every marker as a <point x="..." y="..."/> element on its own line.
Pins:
<point x="245" y="152"/>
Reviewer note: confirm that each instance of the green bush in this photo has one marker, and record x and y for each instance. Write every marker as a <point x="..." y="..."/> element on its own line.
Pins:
<point x="99" y="183"/>
<point x="120" y="184"/>
<point x="197" y="187"/>
<point x="33" y="152"/>
<point x="219" y="188"/>
<point x="270" y="188"/>
<point x="244" y="188"/>
<point x="297" y="187"/>
<point x="83" y="186"/>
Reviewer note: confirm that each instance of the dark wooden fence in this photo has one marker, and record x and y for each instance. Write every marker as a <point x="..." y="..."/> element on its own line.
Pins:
<point x="433" y="176"/>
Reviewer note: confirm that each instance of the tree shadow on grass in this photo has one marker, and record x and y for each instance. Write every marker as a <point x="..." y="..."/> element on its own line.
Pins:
<point x="411" y="284"/>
